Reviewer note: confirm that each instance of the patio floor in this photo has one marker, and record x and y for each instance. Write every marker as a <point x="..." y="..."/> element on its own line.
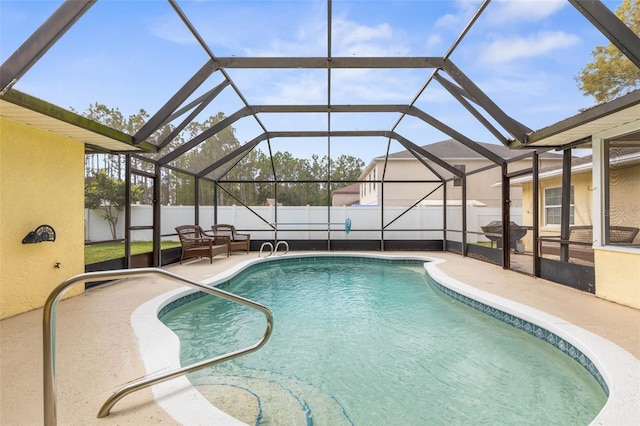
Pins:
<point x="97" y="350"/>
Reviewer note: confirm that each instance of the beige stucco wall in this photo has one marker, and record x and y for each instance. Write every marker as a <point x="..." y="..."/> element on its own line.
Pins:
<point x="617" y="276"/>
<point x="41" y="182"/>
<point x="582" y="204"/>
<point x="616" y="269"/>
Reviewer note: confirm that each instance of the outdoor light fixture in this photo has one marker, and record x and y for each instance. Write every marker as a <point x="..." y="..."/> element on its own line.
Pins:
<point x="41" y="233"/>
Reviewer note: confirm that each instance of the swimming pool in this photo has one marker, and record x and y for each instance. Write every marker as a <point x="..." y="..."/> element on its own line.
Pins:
<point x="400" y="349"/>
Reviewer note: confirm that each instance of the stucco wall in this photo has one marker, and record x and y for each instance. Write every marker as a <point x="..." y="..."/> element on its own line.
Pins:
<point x="582" y="204"/>
<point x="617" y="276"/>
<point x="42" y="182"/>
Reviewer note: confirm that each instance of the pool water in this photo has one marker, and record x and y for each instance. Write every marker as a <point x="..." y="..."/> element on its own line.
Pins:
<point x="371" y="343"/>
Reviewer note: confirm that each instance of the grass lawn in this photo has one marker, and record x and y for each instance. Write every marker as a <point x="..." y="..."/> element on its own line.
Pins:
<point x="95" y="253"/>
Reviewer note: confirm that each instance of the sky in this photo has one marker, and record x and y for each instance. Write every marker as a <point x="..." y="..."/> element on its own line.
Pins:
<point x="135" y="55"/>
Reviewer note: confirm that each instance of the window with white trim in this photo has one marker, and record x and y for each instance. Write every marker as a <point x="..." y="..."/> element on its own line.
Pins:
<point x="553" y="206"/>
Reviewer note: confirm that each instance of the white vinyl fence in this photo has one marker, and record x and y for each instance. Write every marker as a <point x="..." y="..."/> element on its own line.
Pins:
<point x="306" y="222"/>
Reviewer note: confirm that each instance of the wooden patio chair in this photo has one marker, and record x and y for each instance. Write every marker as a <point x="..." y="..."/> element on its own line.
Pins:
<point x="237" y="241"/>
<point x="195" y="243"/>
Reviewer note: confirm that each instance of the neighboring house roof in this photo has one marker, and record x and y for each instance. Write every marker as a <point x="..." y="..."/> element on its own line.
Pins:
<point x="271" y="202"/>
<point x="354" y="188"/>
<point x="452" y="149"/>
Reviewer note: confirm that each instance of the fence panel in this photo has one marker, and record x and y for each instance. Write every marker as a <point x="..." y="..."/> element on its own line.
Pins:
<point x="309" y="222"/>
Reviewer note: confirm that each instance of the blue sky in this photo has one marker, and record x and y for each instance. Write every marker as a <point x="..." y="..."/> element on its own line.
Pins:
<point x="136" y="54"/>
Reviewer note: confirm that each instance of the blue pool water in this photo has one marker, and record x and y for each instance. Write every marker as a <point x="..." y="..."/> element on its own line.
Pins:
<point x="373" y="343"/>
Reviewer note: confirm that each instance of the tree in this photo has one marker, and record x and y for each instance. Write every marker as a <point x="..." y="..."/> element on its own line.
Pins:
<point x="611" y="74"/>
<point x="105" y="192"/>
<point x="113" y="118"/>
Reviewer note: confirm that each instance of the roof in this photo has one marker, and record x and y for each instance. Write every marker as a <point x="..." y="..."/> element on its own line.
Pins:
<point x="452" y="149"/>
<point x="580" y="127"/>
<point x="35" y="112"/>
<point x="354" y="188"/>
<point x="578" y="165"/>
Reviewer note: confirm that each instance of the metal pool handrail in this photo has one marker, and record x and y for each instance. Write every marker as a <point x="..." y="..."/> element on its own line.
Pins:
<point x="49" y="337"/>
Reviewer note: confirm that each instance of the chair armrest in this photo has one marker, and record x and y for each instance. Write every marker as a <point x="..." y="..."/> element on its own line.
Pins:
<point x="220" y="239"/>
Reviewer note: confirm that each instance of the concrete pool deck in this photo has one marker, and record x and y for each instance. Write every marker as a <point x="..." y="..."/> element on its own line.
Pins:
<point x="97" y="349"/>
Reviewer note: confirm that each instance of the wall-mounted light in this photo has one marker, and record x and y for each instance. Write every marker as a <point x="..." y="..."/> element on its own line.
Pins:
<point x="40" y="234"/>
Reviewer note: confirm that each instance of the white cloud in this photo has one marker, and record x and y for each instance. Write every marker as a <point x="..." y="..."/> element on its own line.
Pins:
<point x="168" y="28"/>
<point x="433" y="41"/>
<point x="513" y="48"/>
<point x="504" y="11"/>
<point x="457" y="20"/>
<point x="351" y="38"/>
<point x="352" y="33"/>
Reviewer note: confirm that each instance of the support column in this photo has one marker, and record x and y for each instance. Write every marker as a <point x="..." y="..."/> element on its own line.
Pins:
<point x="506" y="219"/>
<point x="127" y="213"/>
<point x="157" y="232"/>
<point x="535" y="207"/>
<point x="565" y="204"/>
<point x="464" y="215"/>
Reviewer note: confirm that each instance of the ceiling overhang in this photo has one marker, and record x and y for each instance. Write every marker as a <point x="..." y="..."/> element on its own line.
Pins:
<point x="25" y="109"/>
<point x="579" y="128"/>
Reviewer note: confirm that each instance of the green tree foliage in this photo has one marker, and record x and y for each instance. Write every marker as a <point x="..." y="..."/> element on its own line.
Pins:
<point x="108" y="193"/>
<point x="611" y="74"/>
<point x="113" y="118"/>
<point x="294" y="176"/>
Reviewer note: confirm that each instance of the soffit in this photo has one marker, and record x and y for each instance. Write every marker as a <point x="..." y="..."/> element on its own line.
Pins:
<point x="34" y="112"/>
<point x="581" y="127"/>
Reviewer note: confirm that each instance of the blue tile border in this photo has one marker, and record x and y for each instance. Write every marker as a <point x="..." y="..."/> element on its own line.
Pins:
<point x="530" y="328"/>
<point x="179" y="302"/>
<point x="526" y="326"/>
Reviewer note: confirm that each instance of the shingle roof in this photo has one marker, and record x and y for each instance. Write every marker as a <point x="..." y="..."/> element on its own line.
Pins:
<point x="354" y="188"/>
<point x="449" y="149"/>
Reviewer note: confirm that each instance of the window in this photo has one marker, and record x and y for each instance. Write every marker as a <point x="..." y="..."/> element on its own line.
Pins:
<point x="553" y="206"/>
<point x="458" y="181"/>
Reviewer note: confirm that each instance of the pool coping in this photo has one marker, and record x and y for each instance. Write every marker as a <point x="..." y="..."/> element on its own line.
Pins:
<point x="618" y="369"/>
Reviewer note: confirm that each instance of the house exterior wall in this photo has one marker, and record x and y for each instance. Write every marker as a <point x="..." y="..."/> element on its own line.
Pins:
<point x="344" y="199"/>
<point x="617" y="268"/>
<point x="42" y="182"/>
<point x="617" y="276"/>
<point x="582" y="202"/>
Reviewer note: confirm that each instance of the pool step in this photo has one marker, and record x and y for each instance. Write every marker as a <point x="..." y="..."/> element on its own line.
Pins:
<point x="281" y="399"/>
